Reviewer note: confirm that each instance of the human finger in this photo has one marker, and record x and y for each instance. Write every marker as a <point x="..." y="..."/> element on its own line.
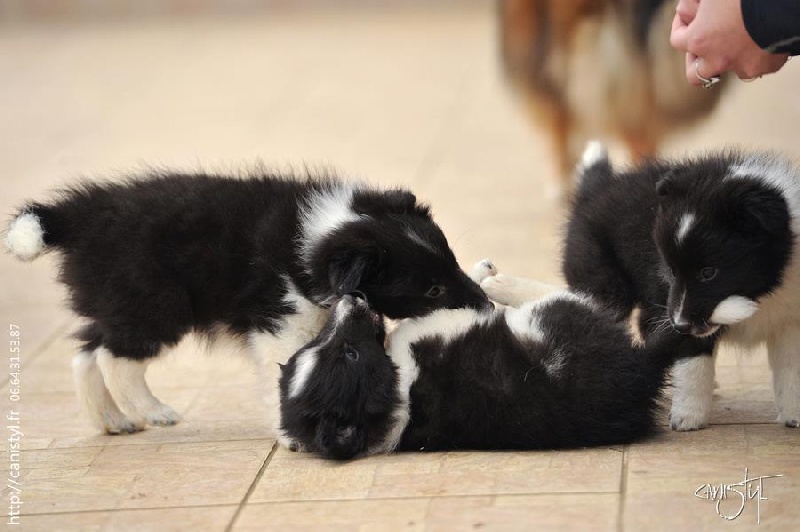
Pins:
<point x="678" y="34"/>
<point x="686" y="10"/>
<point x="691" y="74"/>
<point x="760" y="66"/>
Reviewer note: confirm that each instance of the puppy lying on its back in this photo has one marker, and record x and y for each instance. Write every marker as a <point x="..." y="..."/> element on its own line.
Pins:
<point x="553" y="373"/>
<point x="149" y="260"/>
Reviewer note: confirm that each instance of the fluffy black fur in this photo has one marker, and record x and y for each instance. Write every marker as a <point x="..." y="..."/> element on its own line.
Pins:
<point x="489" y="387"/>
<point x="153" y="258"/>
<point x="621" y="244"/>
<point x="346" y="403"/>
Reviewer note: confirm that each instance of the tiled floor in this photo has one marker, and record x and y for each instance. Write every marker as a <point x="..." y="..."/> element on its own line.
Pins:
<point x="405" y="97"/>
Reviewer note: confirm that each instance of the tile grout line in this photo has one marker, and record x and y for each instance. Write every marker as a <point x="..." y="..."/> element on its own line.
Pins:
<point x="428" y="498"/>
<point x="123" y="509"/>
<point x="623" y="487"/>
<point x="252" y="487"/>
<point x="450" y="496"/>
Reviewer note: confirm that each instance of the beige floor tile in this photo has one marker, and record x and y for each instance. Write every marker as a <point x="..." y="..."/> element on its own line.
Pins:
<point x="438" y="474"/>
<point x="48" y="417"/>
<point x="662" y="477"/>
<point x="191" y="364"/>
<point x="227" y="404"/>
<point x="187" y="431"/>
<point x="504" y="512"/>
<point x="144" y="476"/>
<point x="557" y="512"/>
<point x="214" y="518"/>
<point x="358" y="515"/>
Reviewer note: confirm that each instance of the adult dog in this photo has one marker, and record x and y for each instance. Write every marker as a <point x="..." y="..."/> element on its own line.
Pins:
<point x="556" y="372"/>
<point x="151" y="259"/>
<point x="598" y="69"/>
<point x="706" y="246"/>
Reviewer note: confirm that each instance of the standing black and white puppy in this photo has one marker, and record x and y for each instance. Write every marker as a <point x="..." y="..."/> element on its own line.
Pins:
<point x="261" y="260"/>
<point x="557" y="372"/>
<point x="705" y="246"/>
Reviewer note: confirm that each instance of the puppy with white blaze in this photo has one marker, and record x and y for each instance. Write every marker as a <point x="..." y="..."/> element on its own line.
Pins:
<point x="557" y="372"/>
<point x="258" y="260"/>
<point x="705" y="247"/>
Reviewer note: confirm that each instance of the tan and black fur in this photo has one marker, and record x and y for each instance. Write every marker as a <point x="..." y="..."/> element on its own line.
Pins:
<point x="590" y="69"/>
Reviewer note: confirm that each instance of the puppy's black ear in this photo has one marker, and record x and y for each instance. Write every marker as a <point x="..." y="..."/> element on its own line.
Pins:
<point x="401" y="200"/>
<point x="338" y="440"/>
<point x="764" y="209"/>
<point x="377" y="203"/>
<point x="666" y="184"/>
<point x="348" y="268"/>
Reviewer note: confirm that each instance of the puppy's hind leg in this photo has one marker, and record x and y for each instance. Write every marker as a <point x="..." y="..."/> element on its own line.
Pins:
<point x="506" y="289"/>
<point x="481" y="270"/>
<point x="95" y="399"/>
<point x="124" y="378"/>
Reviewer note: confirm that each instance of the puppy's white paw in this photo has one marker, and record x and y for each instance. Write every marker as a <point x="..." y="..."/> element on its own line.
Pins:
<point x="122" y="425"/>
<point x="500" y="288"/>
<point x="163" y="416"/>
<point x="791" y="423"/>
<point x="290" y="444"/>
<point x="482" y="269"/>
<point x="686" y="419"/>
<point x="789" y="417"/>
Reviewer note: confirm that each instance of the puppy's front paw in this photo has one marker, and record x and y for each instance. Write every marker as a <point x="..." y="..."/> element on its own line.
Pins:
<point x="163" y="416"/>
<point x="790" y="420"/>
<point x="122" y="425"/>
<point x="483" y="269"/>
<point x="289" y="443"/>
<point x="683" y="420"/>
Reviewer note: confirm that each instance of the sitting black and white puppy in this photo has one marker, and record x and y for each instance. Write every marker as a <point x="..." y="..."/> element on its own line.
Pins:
<point x="558" y="372"/>
<point x="260" y="260"/>
<point x="707" y="245"/>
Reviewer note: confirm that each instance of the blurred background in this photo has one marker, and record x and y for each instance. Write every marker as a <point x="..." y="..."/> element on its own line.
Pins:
<point x="478" y="106"/>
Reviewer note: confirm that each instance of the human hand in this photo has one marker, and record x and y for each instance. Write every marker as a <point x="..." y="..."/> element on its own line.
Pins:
<point x="713" y="35"/>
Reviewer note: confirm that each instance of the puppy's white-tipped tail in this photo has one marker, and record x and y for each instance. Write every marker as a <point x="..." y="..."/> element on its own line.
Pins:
<point x="594" y="154"/>
<point x="25" y="237"/>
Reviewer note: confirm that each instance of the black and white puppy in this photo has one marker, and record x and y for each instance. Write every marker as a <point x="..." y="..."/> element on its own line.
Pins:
<point x="261" y="260"/>
<point x="706" y="246"/>
<point x="558" y="372"/>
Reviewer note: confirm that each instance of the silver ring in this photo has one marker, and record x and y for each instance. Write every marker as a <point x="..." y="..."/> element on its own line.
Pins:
<point x="748" y="80"/>
<point x="707" y="82"/>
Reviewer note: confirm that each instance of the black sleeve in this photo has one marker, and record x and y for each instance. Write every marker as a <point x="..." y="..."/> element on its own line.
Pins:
<point x="773" y="24"/>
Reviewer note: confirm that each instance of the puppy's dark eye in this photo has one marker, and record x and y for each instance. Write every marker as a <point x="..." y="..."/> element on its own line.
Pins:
<point x="351" y="353"/>
<point x="435" y="291"/>
<point x="706" y="274"/>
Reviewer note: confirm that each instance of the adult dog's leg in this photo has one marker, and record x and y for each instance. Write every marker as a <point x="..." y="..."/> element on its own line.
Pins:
<point x="509" y="290"/>
<point x="784" y="359"/>
<point x="95" y="399"/>
<point x="124" y="378"/>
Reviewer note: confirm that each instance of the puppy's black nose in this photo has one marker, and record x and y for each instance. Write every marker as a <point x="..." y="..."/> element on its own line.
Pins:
<point x="358" y="294"/>
<point x="682" y="327"/>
